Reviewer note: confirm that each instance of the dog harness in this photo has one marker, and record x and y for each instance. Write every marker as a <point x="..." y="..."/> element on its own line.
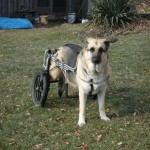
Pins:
<point x="91" y="87"/>
<point x="91" y="82"/>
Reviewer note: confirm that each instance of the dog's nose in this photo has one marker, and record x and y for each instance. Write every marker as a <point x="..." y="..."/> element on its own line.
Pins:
<point x="96" y="60"/>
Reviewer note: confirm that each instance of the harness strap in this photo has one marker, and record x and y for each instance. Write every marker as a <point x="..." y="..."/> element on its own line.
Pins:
<point x="91" y="86"/>
<point x="91" y="82"/>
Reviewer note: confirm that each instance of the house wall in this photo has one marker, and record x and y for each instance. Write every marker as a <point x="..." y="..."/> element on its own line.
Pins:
<point x="80" y="7"/>
<point x="9" y="7"/>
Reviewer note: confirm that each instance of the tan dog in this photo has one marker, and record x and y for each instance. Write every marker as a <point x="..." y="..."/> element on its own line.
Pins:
<point x="91" y="77"/>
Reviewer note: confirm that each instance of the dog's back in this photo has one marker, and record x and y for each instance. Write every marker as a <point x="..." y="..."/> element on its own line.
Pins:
<point x="68" y="54"/>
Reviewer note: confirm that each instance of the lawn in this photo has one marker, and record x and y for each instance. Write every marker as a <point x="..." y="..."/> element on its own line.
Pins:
<point x="25" y="126"/>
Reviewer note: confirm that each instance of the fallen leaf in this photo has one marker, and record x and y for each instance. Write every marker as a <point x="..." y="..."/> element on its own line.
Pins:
<point x="99" y="137"/>
<point x="119" y="144"/>
<point x="83" y="146"/>
<point x="37" y="146"/>
<point x="27" y="114"/>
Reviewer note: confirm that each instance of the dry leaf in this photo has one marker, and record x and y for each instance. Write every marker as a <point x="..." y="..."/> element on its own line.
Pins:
<point x="37" y="146"/>
<point x="99" y="137"/>
<point x="83" y="147"/>
<point x="119" y="144"/>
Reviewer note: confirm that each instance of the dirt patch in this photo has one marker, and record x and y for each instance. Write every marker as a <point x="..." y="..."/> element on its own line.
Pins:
<point x="135" y="27"/>
<point x="147" y="2"/>
<point x="143" y="6"/>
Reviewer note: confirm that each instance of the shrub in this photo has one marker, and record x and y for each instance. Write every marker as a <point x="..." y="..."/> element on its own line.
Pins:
<point x="113" y="13"/>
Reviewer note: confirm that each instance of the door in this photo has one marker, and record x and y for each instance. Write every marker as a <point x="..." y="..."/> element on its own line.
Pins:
<point x="59" y="7"/>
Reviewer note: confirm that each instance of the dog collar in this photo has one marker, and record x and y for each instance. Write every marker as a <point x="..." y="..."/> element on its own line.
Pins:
<point x="92" y="82"/>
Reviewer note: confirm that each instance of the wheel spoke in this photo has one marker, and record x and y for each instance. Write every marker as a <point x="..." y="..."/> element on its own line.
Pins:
<point x="37" y="83"/>
<point x="39" y="95"/>
<point x="41" y="90"/>
<point x="39" y="80"/>
<point x="36" y="95"/>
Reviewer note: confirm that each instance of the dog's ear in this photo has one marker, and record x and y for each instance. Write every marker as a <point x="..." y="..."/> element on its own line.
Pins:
<point x="86" y="40"/>
<point x="106" y="45"/>
<point x="110" y="40"/>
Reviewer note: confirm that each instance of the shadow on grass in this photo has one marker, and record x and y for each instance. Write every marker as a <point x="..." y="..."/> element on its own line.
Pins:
<point x="56" y="102"/>
<point x="129" y="100"/>
<point x="125" y="101"/>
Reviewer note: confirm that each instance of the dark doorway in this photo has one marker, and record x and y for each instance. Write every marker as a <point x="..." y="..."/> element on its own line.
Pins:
<point x="43" y="3"/>
<point x="59" y="6"/>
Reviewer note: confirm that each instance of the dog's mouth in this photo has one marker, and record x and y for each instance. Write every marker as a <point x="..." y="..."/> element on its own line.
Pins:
<point x="98" y="68"/>
<point x="95" y="68"/>
<point x="96" y="60"/>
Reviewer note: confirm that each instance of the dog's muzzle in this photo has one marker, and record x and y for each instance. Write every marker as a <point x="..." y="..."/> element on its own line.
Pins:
<point x="96" y="60"/>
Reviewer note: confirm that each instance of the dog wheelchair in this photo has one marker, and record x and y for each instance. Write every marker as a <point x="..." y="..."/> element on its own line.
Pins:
<point x="41" y="82"/>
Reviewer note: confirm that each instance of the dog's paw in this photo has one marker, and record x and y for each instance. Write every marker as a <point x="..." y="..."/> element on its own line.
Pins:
<point x="105" y="118"/>
<point x="81" y="123"/>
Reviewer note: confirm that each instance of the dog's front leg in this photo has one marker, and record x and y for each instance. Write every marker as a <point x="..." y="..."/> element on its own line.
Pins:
<point x="101" y="103"/>
<point x="82" y="105"/>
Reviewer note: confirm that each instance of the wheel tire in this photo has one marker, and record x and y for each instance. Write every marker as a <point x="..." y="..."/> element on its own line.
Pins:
<point x="40" y="88"/>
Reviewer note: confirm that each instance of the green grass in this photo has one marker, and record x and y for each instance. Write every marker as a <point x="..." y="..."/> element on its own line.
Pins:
<point x="25" y="126"/>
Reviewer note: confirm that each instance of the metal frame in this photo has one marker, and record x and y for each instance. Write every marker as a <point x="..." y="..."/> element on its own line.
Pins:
<point x="48" y="56"/>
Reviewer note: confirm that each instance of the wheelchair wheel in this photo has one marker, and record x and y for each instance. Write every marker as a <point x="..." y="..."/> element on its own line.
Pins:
<point x="40" y="88"/>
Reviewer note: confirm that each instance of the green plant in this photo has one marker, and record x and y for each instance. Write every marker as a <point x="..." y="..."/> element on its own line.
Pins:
<point x="113" y="13"/>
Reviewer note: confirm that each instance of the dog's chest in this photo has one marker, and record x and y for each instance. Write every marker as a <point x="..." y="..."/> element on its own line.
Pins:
<point x="93" y="87"/>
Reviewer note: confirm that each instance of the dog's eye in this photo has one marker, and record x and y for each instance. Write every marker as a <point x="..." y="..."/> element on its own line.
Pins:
<point x="101" y="50"/>
<point x="92" y="49"/>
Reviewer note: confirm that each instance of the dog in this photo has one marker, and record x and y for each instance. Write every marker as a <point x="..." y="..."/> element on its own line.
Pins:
<point x="92" y="72"/>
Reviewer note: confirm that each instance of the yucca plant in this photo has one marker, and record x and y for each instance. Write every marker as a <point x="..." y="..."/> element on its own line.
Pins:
<point x="113" y="13"/>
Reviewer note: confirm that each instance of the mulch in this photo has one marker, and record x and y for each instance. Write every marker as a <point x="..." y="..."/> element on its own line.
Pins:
<point x="135" y="27"/>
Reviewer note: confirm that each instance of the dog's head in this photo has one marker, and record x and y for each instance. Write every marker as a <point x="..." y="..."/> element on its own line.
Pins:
<point x="95" y="51"/>
<point x="97" y="47"/>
